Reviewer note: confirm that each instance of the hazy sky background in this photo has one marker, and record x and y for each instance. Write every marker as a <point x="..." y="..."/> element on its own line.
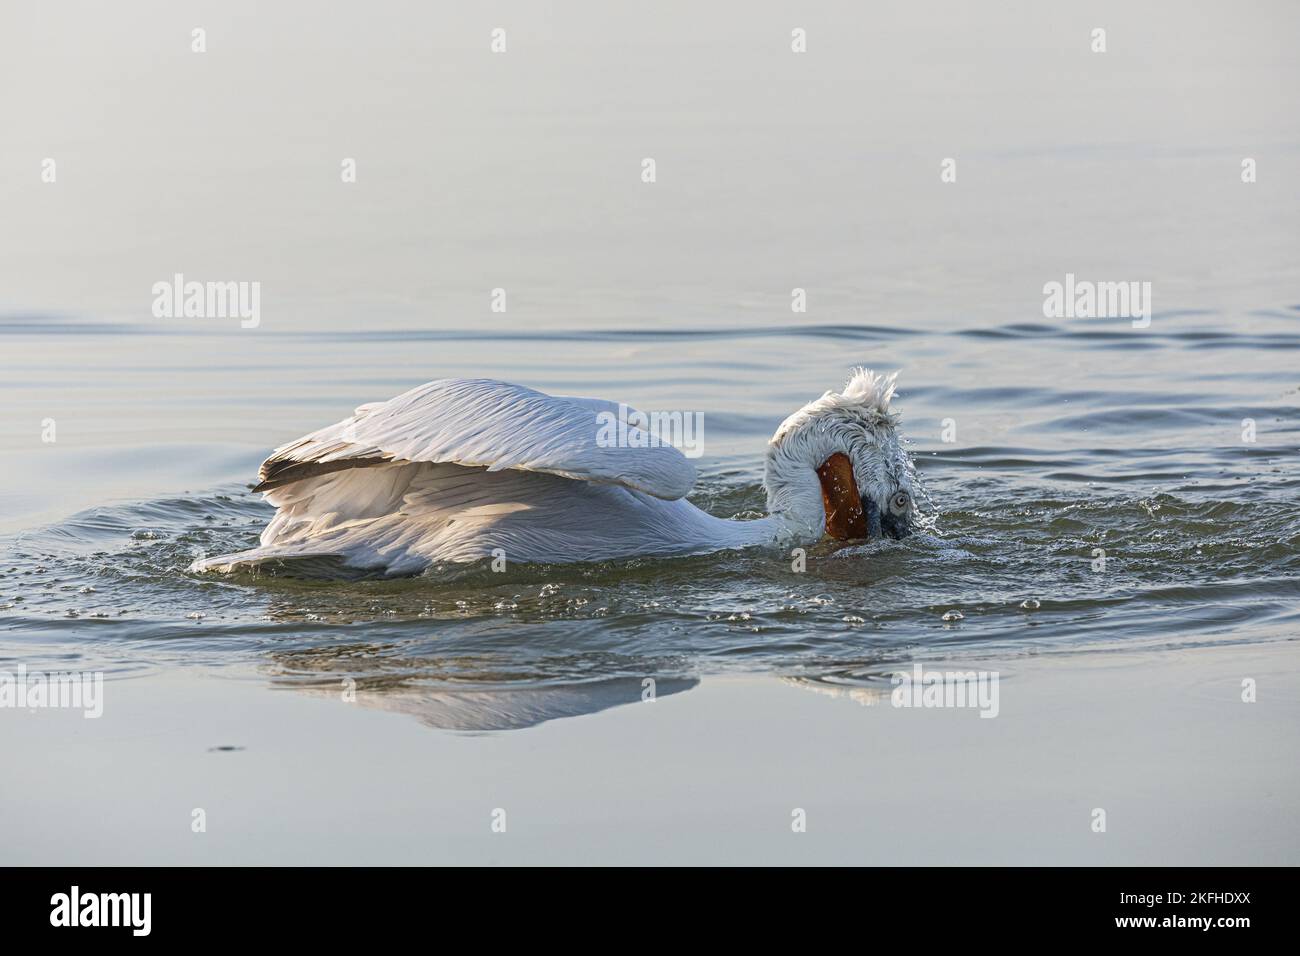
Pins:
<point x="522" y="170"/>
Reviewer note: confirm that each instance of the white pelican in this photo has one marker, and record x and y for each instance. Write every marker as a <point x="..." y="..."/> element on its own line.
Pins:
<point x="459" y="470"/>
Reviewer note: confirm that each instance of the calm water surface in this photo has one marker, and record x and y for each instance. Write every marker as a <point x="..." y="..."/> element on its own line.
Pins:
<point x="1136" y="451"/>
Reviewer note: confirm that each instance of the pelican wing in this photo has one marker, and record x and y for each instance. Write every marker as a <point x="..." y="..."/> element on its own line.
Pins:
<point x="489" y="424"/>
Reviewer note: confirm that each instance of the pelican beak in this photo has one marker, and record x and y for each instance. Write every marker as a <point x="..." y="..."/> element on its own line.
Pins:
<point x="846" y="516"/>
<point x="896" y="526"/>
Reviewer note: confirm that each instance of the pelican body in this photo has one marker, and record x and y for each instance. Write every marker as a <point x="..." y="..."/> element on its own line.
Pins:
<point x="460" y="470"/>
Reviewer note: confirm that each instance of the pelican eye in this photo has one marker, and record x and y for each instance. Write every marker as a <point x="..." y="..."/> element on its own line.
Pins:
<point x="900" y="501"/>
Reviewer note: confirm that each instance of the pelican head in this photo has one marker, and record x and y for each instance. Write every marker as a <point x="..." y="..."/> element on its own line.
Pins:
<point x="837" y="467"/>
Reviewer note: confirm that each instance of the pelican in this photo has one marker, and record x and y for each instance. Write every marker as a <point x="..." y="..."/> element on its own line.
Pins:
<point x="460" y="470"/>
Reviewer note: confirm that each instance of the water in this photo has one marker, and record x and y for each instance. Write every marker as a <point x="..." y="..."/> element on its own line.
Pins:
<point x="1138" y="454"/>
<point x="775" y="172"/>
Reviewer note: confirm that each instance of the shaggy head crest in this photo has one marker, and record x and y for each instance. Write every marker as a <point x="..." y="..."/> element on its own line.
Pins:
<point x="865" y="398"/>
<point x="871" y="391"/>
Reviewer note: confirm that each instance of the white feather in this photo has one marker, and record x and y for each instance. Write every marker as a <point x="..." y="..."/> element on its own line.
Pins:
<point x="496" y="425"/>
<point x="460" y="470"/>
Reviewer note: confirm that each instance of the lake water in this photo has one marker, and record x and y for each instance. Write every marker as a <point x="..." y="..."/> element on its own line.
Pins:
<point x="1094" y="487"/>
